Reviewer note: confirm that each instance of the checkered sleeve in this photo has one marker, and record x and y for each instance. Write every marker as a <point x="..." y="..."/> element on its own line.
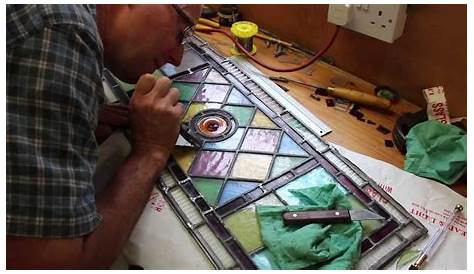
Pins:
<point x="54" y="91"/>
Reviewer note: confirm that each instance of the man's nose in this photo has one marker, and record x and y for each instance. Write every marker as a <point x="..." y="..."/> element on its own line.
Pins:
<point x="176" y="55"/>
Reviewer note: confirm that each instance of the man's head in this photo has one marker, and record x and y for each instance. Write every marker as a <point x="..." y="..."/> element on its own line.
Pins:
<point x="141" y="38"/>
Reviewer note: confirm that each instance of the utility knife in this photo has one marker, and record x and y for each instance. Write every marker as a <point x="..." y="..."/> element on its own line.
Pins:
<point x="329" y="216"/>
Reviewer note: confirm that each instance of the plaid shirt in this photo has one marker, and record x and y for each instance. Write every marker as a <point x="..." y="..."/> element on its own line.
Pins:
<point x="54" y="90"/>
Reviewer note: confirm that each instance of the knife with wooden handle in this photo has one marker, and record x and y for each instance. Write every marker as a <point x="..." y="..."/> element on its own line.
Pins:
<point x="328" y="216"/>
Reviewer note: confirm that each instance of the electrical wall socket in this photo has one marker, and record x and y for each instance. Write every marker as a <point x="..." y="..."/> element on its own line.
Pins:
<point x="381" y="21"/>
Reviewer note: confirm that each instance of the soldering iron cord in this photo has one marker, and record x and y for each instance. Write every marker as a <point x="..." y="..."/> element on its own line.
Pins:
<point x="317" y="56"/>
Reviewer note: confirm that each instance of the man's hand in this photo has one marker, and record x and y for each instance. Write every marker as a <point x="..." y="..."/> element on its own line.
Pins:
<point x="155" y="117"/>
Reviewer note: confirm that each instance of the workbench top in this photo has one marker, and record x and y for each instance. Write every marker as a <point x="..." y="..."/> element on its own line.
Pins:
<point x="347" y="131"/>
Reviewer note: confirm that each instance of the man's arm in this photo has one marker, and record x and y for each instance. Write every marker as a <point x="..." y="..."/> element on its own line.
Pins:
<point x="155" y="114"/>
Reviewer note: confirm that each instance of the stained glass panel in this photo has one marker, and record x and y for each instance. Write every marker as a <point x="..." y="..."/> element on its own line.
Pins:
<point x="262" y="140"/>
<point x="233" y="189"/>
<point x="212" y="93"/>
<point x="284" y="163"/>
<point x="261" y="120"/>
<point x="186" y="90"/>
<point x="212" y="163"/>
<point x="209" y="188"/>
<point x="236" y="97"/>
<point x="242" y="114"/>
<point x="251" y="166"/>
<point x="288" y="146"/>
<point x="215" y="77"/>
<point x="228" y="144"/>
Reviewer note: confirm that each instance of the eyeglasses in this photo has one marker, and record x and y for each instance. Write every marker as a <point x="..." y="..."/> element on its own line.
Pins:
<point x="188" y="30"/>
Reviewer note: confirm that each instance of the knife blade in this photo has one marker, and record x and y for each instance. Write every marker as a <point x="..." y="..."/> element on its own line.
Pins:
<point x="329" y="216"/>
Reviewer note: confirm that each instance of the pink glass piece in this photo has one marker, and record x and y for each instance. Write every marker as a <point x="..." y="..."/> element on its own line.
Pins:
<point x="212" y="163"/>
<point x="264" y="140"/>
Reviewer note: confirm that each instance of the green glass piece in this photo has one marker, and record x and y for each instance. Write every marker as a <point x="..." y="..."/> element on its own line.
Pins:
<point x="368" y="226"/>
<point x="244" y="227"/>
<point x="242" y="114"/>
<point x="284" y="163"/>
<point x="186" y="90"/>
<point x="209" y="188"/>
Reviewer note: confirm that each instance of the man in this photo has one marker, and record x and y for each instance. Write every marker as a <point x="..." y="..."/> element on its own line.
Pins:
<point x="55" y="57"/>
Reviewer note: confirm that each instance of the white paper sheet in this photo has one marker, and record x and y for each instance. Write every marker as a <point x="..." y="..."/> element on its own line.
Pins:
<point x="429" y="201"/>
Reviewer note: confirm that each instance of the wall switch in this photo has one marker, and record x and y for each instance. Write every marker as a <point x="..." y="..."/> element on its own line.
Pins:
<point x="382" y="21"/>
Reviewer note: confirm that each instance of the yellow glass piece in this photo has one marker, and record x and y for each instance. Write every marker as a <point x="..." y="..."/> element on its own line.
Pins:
<point x="251" y="166"/>
<point x="192" y="110"/>
<point x="197" y="107"/>
<point x="184" y="156"/>
<point x="244" y="226"/>
<point x="261" y="120"/>
<point x="244" y="29"/>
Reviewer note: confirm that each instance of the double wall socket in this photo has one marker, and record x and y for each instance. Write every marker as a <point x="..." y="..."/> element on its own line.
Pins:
<point x="381" y="21"/>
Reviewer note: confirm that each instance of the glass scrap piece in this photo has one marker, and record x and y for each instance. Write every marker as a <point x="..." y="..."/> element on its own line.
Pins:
<point x="229" y="144"/>
<point x="186" y="90"/>
<point x="263" y="140"/>
<point x="261" y="120"/>
<point x="215" y="77"/>
<point x="209" y="188"/>
<point x="184" y="156"/>
<point x="242" y="114"/>
<point x="233" y="189"/>
<point x="316" y="177"/>
<point x="197" y="107"/>
<point x="212" y="163"/>
<point x="284" y="163"/>
<point x="368" y="226"/>
<point x="197" y="76"/>
<point x="212" y="93"/>
<point x="244" y="227"/>
<point x="251" y="166"/>
<point x="236" y="97"/>
<point x="288" y="146"/>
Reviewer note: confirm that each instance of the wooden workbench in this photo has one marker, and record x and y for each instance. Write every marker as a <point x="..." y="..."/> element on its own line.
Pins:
<point x="347" y="131"/>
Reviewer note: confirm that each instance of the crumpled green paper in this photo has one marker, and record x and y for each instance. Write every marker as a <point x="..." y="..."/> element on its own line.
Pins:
<point x="437" y="151"/>
<point x="311" y="246"/>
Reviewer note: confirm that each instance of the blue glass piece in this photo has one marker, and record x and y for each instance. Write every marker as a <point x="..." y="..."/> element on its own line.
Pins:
<point x="235" y="97"/>
<point x="233" y="189"/>
<point x="231" y="143"/>
<point x="316" y="177"/>
<point x="288" y="146"/>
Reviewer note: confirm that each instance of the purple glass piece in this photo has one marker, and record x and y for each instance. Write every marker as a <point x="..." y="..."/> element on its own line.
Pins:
<point x="211" y="93"/>
<point x="212" y="163"/>
<point x="352" y="188"/>
<point x="264" y="140"/>
<point x="197" y="76"/>
<point x="365" y="245"/>
<point x="384" y="231"/>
